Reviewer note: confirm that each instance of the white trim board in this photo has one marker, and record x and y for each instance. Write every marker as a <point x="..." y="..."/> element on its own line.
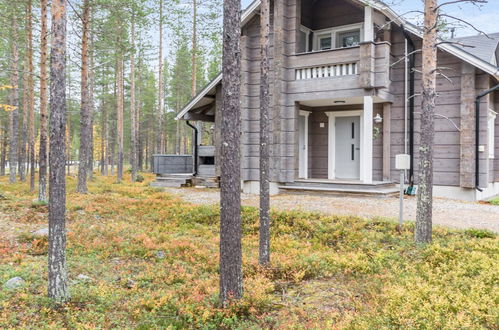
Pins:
<point x="303" y="172"/>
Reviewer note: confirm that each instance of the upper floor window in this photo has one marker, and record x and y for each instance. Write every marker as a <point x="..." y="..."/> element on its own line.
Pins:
<point x="325" y="42"/>
<point x="336" y="37"/>
<point x="348" y="39"/>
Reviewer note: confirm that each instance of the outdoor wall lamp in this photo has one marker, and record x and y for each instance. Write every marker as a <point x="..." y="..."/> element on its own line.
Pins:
<point x="378" y="119"/>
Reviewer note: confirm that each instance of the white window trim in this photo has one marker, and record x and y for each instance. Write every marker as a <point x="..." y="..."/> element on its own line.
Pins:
<point x="303" y="172"/>
<point x="491" y="118"/>
<point x="307" y="31"/>
<point x="333" y="32"/>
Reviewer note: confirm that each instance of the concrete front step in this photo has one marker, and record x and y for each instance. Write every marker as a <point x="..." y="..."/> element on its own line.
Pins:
<point x="343" y="184"/>
<point x="368" y="191"/>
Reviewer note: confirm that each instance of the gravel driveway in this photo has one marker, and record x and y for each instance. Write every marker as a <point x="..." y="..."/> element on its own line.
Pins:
<point x="446" y="212"/>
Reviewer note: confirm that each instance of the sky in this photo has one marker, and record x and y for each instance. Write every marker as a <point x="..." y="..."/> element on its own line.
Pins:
<point x="485" y="18"/>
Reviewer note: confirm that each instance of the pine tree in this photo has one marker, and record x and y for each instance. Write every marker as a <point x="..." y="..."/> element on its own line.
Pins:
<point x="231" y="277"/>
<point x="58" y="286"/>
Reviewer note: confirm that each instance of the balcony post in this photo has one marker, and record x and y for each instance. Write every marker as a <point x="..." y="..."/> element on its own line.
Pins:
<point x="368" y="24"/>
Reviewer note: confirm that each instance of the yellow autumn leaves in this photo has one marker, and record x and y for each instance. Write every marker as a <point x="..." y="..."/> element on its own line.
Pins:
<point x="7" y="107"/>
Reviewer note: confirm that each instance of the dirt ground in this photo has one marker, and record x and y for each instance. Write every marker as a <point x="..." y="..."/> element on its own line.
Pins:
<point x="446" y="212"/>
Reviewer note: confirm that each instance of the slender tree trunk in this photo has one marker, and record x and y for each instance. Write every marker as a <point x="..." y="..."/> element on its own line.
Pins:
<point x="91" y="80"/>
<point x="140" y="138"/>
<point x="14" y="101"/>
<point x="23" y="134"/>
<point x="85" y="119"/>
<point x="133" y="115"/>
<point x="199" y="124"/>
<point x="31" y="101"/>
<point x="161" y="101"/>
<point x="423" y="231"/>
<point x="58" y="287"/>
<point x="264" y="134"/>
<point x="120" y="108"/>
<point x="231" y="277"/>
<point x="5" y="143"/>
<point x="42" y="179"/>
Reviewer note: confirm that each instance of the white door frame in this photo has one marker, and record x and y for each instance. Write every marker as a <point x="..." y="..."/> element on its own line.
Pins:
<point x="332" y="140"/>
<point x="303" y="172"/>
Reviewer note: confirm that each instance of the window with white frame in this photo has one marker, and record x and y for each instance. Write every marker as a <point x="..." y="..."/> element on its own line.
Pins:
<point x="304" y="40"/>
<point x="348" y="39"/>
<point x="338" y="37"/>
<point x="491" y="121"/>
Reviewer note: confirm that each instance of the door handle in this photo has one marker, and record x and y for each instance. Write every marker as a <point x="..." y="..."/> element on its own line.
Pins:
<point x="353" y="152"/>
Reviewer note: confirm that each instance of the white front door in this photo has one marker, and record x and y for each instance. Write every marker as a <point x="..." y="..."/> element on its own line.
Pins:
<point x="347" y="148"/>
<point x="303" y="144"/>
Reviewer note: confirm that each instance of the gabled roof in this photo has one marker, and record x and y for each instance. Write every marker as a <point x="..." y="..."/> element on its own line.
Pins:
<point x="484" y="47"/>
<point x="465" y="54"/>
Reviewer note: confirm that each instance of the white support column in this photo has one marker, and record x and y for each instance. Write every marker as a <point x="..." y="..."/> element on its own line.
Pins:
<point x="366" y="165"/>
<point x="368" y="24"/>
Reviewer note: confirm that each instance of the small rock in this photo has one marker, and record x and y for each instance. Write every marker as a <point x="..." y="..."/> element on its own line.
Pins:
<point x="84" y="278"/>
<point x="160" y="255"/>
<point x="44" y="232"/>
<point x="80" y="212"/>
<point x="130" y="284"/>
<point x="14" y="283"/>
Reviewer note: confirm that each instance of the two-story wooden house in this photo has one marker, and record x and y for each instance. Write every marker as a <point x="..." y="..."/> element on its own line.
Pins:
<point x="345" y="102"/>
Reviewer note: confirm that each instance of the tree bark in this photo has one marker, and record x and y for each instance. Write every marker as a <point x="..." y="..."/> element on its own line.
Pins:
<point x="133" y="114"/>
<point x="42" y="180"/>
<point x="31" y="101"/>
<point x="120" y="112"/>
<point x="58" y="287"/>
<point x="85" y="119"/>
<point x="161" y="102"/>
<point x="231" y="277"/>
<point x="264" y="256"/>
<point x="14" y="101"/>
<point x="423" y="231"/>
<point x="91" y="81"/>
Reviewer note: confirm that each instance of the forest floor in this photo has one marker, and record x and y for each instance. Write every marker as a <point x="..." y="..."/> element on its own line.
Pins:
<point x="142" y="258"/>
<point x="446" y="212"/>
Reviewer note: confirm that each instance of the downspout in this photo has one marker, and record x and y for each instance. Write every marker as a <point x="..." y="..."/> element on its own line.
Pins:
<point x="477" y="134"/>
<point x="195" y="146"/>
<point x="412" y="65"/>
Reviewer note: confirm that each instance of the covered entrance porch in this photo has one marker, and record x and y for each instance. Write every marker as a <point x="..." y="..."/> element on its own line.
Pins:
<point x="344" y="141"/>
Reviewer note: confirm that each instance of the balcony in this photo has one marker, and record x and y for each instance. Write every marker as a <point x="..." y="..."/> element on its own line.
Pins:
<point x="326" y="64"/>
<point x="364" y="66"/>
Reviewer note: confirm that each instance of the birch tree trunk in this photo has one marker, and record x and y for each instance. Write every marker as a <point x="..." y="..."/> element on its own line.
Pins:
<point x="57" y="287"/>
<point x="423" y="231"/>
<point x="85" y="119"/>
<point x="264" y="255"/>
<point x="31" y="95"/>
<point x="42" y="180"/>
<point x="14" y="101"/>
<point x="231" y="277"/>
<point x="133" y="115"/>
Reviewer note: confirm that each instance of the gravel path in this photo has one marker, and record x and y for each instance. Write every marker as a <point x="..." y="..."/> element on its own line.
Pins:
<point x="446" y="212"/>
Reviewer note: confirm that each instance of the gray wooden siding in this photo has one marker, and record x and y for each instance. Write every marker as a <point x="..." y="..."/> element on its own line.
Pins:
<point x="447" y="137"/>
<point x="286" y="93"/>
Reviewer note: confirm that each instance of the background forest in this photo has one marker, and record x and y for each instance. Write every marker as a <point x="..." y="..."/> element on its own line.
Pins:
<point x="121" y="36"/>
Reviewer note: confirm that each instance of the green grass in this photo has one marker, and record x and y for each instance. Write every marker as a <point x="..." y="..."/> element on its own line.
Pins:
<point x="327" y="271"/>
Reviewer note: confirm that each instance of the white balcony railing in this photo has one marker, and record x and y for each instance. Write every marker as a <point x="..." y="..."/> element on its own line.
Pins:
<point x="327" y="71"/>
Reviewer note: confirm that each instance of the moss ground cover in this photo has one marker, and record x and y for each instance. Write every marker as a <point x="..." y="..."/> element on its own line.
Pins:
<point x="152" y="260"/>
